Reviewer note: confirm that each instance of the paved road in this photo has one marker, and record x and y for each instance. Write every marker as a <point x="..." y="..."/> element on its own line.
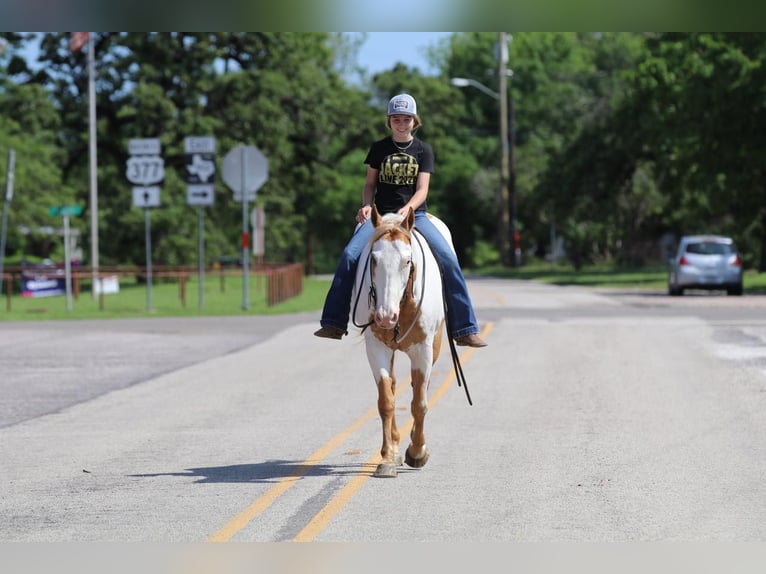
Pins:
<point x="50" y="365"/>
<point x="597" y="416"/>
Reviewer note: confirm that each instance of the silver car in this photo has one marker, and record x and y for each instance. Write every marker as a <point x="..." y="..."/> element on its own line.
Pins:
<point x="705" y="262"/>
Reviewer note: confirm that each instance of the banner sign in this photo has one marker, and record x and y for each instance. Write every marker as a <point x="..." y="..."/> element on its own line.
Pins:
<point x="42" y="280"/>
<point x="42" y="286"/>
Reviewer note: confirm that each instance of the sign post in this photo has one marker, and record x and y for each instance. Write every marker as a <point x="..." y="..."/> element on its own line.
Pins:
<point x="6" y="203"/>
<point x="245" y="236"/>
<point x="146" y="167"/>
<point x="65" y="211"/>
<point x="200" y="174"/>
<point x="258" y="221"/>
<point x="67" y="265"/>
<point x="245" y="170"/>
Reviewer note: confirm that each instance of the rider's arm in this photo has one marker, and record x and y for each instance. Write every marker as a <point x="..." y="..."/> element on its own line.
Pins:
<point x="368" y="195"/>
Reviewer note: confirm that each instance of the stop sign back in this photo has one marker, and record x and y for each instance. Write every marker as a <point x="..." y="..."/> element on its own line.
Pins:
<point x="245" y="169"/>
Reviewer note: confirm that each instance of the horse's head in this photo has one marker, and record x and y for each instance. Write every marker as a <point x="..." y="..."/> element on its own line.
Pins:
<point x="391" y="265"/>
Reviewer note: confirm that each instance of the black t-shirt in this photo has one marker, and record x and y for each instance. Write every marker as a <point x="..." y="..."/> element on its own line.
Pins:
<point x="398" y="171"/>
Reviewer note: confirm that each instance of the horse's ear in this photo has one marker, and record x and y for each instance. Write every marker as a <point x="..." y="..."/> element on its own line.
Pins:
<point x="375" y="216"/>
<point x="409" y="221"/>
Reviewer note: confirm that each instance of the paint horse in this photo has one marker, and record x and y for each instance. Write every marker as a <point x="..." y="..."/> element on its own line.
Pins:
<point x="405" y="312"/>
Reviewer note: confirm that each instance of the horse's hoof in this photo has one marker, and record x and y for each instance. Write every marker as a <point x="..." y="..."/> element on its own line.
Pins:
<point x="385" y="470"/>
<point x="416" y="462"/>
<point x="398" y="459"/>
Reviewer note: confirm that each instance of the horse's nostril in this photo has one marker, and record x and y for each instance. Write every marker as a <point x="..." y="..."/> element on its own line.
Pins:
<point x="386" y="320"/>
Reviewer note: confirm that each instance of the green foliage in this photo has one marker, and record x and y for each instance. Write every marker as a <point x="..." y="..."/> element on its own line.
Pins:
<point x="620" y="139"/>
<point x="483" y="254"/>
<point x="221" y="297"/>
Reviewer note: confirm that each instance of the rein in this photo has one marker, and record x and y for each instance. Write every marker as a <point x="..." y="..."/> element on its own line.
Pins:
<point x="372" y="297"/>
<point x="461" y="382"/>
<point x="411" y="283"/>
<point x="372" y="293"/>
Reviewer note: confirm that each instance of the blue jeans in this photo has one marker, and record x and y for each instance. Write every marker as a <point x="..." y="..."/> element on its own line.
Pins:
<point x="460" y="315"/>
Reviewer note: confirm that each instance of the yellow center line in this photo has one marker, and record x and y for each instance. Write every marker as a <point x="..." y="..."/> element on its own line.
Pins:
<point x="260" y="504"/>
<point x="285" y="483"/>
<point x="339" y="501"/>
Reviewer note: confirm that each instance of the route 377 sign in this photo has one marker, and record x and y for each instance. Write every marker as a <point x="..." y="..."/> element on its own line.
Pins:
<point x="145" y="165"/>
<point x="145" y="169"/>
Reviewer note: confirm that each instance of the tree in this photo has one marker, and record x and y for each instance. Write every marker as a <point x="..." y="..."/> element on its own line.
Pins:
<point x="28" y="125"/>
<point x="619" y="137"/>
<point x="262" y="89"/>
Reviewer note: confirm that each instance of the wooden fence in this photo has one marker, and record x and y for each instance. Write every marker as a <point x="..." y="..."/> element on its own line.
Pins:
<point x="283" y="280"/>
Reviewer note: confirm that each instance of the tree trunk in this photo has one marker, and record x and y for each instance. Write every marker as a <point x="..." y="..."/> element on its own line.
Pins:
<point x="310" y="253"/>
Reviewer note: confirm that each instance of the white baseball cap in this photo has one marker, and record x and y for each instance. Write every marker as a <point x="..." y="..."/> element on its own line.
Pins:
<point x="403" y="104"/>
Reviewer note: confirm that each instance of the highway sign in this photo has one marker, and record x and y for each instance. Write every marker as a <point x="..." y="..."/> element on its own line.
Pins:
<point x="200" y="167"/>
<point x="144" y="146"/>
<point x="200" y="194"/>
<point x="145" y="169"/>
<point x="64" y="210"/>
<point x="245" y="170"/>
<point x="146" y="196"/>
<point x="198" y="144"/>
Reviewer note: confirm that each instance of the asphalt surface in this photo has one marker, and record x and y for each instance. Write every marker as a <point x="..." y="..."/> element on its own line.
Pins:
<point x="50" y="365"/>
<point x="599" y="416"/>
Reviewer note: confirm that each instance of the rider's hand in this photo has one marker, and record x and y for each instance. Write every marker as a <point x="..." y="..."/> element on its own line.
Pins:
<point x="363" y="214"/>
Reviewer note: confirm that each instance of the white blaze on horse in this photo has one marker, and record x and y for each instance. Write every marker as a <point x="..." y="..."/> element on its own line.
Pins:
<point x="401" y="281"/>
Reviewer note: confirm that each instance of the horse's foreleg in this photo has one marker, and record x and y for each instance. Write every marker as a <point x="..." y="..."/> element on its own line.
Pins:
<point x="387" y="410"/>
<point x="396" y="457"/>
<point x="417" y="452"/>
<point x="390" y="448"/>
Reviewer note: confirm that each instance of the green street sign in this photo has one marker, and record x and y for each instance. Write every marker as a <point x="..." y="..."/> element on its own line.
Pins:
<point x="65" y="210"/>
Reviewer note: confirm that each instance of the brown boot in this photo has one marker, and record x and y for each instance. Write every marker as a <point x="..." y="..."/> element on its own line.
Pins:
<point x="471" y="340"/>
<point x="330" y="333"/>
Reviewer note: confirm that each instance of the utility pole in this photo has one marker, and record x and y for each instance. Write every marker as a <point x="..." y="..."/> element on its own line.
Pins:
<point x="512" y="230"/>
<point x="510" y="255"/>
<point x="94" y="264"/>
<point x="505" y="230"/>
<point x="6" y="203"/>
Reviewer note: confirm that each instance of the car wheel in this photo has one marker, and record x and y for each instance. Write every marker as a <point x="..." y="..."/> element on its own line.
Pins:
<point x="735" y="290"/>
<point x="675" y="291"/>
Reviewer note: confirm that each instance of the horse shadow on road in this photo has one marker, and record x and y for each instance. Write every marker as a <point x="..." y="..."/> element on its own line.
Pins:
<point x="267" y="471"/>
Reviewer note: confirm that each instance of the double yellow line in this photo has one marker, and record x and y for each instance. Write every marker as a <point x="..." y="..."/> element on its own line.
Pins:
<point x="336" y="504"/>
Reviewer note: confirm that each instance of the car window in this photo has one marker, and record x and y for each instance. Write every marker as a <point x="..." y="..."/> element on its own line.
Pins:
<point x="710" y="248"/>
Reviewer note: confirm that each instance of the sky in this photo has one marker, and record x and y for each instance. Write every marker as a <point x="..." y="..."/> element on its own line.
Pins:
<point x="382" y="50"/>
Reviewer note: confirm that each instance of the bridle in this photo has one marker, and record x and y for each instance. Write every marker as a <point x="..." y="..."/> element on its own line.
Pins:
<point x="372" y="299"/>
<point x="372" y="294"/>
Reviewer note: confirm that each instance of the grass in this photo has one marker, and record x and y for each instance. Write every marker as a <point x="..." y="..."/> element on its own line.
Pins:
<point x="588" y="276"/>
<point x="132" y="301"/>
<point x="604" y="276"/>
<point x="227" y="298"/>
